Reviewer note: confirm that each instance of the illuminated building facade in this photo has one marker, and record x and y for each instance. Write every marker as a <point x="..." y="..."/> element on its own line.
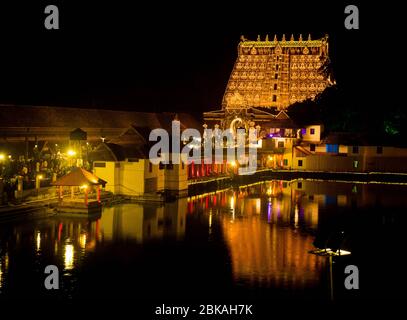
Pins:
<point x="270" y="75"/>
<point x="277" y="73"/>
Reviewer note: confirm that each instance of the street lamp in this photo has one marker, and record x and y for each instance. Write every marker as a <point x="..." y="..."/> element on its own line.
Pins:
<point x="71" y="153"/>
<point x="38" y="183"/>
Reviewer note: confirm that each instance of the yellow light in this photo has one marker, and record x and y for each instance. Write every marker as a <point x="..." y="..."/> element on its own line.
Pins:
<point x="38" y="242"/>
<point x="344" y="252"/>
<point x="9" y="156"/>
<point x="232" y="206"/>
<point x="269" y="191"/>
<point x="40" y="177"/>
<point x="71" y="153"/>
<point x="82" y="240"/>
<point x="6" y="261"/>
<point x="232" y="202"/>
<point x="233" y="164"/>
<point x="2" y="156"/>
<point x="68" y="257"/>
<point x="330" y="252"/>
<point x="296" y="215"/>
<point x="85" y="186"/>
<point x="339" y="252"/>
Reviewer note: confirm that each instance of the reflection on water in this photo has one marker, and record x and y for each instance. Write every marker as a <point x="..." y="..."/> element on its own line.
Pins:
<point x="261" y="225"/>
<point x="142" y="223"/>
<point x="271" y="256"/>
<point x="68" y="256"/>
<point x="67" y="241"/>
<point x="258" y="234"/>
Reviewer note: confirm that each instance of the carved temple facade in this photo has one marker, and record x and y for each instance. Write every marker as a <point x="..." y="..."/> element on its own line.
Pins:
<point x="269" y="76"/>
<point x="277" y="73"/>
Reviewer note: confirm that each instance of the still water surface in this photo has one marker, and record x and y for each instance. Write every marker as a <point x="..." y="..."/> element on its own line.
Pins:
<point x="251" y="242"/>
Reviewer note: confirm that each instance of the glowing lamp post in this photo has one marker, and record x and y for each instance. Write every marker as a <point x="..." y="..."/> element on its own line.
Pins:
<point x="38" y="179"/>
<point x="71" y="155"/>
<point x="77" y="138"/>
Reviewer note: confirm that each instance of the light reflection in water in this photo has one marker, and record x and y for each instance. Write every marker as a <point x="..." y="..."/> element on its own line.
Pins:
<point x="69" y="256"/>
<point x="269" y="210"/>
<point x="264" y="228"/>
<point x="210" y="218"/>
<point x="270" y="255"/>
<point x="38" y="241"/>
<point x="4" y="264"/>
<point x="265" y="247"/>
<point x="82" y="240"/>
<point x="232" y="205"/>
<point x="296" y="216"/>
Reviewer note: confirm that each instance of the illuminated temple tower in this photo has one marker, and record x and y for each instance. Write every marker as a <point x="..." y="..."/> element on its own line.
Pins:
<point x="276" y="73"/>
<point x="273" y="74"/>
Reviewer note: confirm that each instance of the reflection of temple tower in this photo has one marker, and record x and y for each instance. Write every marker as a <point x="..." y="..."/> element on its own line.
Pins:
<point x="263" y="252"/>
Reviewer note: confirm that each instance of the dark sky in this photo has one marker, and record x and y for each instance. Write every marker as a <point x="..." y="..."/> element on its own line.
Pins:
<point x="177" y="57"/>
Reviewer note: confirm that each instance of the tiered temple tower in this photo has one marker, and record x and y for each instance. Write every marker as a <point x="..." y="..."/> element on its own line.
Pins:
<point x="277" y="73"/>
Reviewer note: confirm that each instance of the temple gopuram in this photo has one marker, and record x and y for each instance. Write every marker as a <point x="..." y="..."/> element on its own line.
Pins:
<point x="271" y="75"/>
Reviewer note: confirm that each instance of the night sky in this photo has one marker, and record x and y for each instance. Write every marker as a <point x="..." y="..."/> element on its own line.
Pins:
<point x="177" y="57"/>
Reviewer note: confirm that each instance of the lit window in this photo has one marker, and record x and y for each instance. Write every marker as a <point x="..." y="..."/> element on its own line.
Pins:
<point x="332" y="148"/>
<point x="355" y="164"/>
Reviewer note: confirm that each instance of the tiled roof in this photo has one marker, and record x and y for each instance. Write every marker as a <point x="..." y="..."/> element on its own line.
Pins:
<point x="78" y="177"/>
